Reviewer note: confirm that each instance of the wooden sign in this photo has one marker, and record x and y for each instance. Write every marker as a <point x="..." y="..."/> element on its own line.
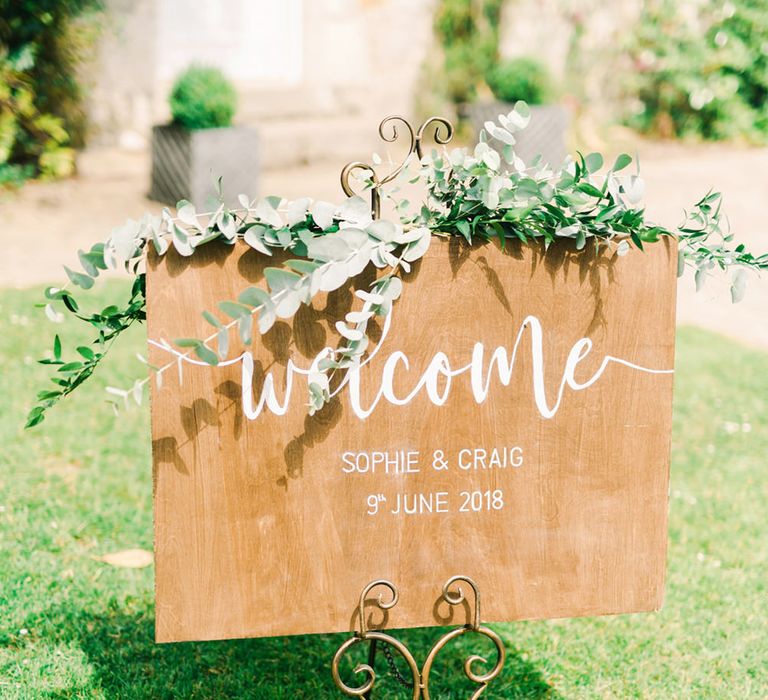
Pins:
<point x="513" y="426"/>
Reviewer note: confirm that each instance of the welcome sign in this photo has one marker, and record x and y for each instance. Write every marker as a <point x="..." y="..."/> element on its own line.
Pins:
<point x="511" y="422"/>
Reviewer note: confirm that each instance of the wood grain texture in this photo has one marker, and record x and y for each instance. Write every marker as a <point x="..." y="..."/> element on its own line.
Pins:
<point x="259" y="532"/>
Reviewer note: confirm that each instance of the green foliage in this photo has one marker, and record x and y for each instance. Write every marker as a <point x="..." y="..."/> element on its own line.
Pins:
<point x="701" y="69"/>
<point x="524" y="78"/>
<point x="41" y="118"/>
<point x="74" y="627"/>
<point x="202" y="98"/>
<point x="469" y="36"/>
<point x="31" y="142"/>
<point x="14" y="176"/>
<point x="471" y="195"/>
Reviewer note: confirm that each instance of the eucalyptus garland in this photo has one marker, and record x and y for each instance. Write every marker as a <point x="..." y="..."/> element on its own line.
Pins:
<point x="478" y="195"/>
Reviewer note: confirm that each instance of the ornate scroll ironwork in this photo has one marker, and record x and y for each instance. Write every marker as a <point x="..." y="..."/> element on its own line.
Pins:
<point x="453" y="595"/>
<point x="415" y="146"/>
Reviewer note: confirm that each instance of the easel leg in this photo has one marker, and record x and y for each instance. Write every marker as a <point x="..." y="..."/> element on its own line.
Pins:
<point x="371" y="662"/>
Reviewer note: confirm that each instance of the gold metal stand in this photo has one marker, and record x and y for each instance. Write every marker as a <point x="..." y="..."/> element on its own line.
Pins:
<point x="419" y="683"/>
<point x="416" y="146"/>
<point x="420" y="677"/>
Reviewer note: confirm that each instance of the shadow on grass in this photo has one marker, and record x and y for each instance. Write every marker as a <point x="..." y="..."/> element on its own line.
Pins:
<point x="126" y="663"/>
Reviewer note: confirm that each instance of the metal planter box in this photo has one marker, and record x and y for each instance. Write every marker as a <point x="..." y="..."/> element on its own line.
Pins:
<point x="187" y="164"/>
<point x="544" y="136"/>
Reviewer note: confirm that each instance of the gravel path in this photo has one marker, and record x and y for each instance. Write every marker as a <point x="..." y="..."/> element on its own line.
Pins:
<point x="45" y="223"/>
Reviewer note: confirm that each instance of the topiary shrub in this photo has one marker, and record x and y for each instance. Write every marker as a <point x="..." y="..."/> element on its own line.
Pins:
<point x="524" y="78"/>
<point x="203" y="98"/>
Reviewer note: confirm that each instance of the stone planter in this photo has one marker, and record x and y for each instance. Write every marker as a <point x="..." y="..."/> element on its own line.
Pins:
<point x="187" y="164"/>
<point x="545" y="135"/>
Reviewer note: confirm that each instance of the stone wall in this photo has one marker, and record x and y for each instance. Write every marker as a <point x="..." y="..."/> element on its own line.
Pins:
<point x="311" y="66"/>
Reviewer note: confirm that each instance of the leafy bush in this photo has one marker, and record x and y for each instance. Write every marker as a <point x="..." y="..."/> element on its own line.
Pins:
<point x="469" y="34"/>
<point x="202" y="98"/>
<point x="31" y="142"/>
<point x="41" y="117"/>
<point x="526" y="79"/>
<point x="701" y="70"/>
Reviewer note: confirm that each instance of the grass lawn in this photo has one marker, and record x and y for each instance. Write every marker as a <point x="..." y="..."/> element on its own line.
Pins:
<point x="79" y="486"/>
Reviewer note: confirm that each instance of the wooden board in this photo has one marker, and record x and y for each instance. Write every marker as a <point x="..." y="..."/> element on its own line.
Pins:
<point x="260" y="531"/>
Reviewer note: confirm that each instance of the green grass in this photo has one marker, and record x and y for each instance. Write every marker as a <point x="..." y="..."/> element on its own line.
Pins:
<point x="80" y="487"/>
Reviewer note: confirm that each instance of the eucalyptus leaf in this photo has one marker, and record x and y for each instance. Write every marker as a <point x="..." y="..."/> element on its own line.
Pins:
<point x="700" y="278"/>
<point x="279" y="279"/>
<point x="53" y="315"/>
<point x="393" y="288"/>
<point x="322" y="213"/>
<point x="206" y="355"/>
<point x="266" y="211"/>
<point x="622" y="161"/>
<point x="355" y="210"/>
<point x="288" y="304"/>
<point x="254" y="237"/>
<point x="738" y="286"/>
<point x="267" y="318"/>
<point x="88" y="265"/>
<point x="222" y="343"/>
<point x="329" y="247"/>
<point x="161" y="244"/>
<point x="78" y="278"/>
<point x="181" y="242"/>
<point x="382" y="230"/>
<point x="187" y="342"/>
<point x="333" y="276"/>
<point x="187" y="214"/>
<point x="233" y="309"/>
<point x="303" y="267"/>
<point x="417" y="248"/>
<point x="227" y="226"/>
<point x="347" y="332"/>
<point x="208" y="316"/>
<point x="245" y="329"/>
<point x="254" y="297"/>
<point x="297" y="211"/>
<point x="593" y="162"/>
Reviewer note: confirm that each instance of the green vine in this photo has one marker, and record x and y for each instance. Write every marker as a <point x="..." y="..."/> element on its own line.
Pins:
<point x="477" y="195"/>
